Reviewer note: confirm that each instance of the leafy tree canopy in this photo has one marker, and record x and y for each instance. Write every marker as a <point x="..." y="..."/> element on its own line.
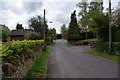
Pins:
<point x="4" y="31"/>
<point x="19" y="26"/>
<point x="37" y="23"/>
<point x="64" y="31"/>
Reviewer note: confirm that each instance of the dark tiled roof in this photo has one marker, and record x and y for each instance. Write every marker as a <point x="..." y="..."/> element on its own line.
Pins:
<point x="20" y="32"/>
<point x="2" y="25"/>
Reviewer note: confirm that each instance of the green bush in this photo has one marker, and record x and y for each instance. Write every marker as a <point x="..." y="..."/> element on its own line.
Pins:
<point x="103" y="34"/>
<point x="59" y="36"/>
<point x="116" y="47"/>
<point x="17" y="47"/>
<point x="90" y="35"/>
<point x="48" y="40"/>
<point x="4" y="31"/>
<point x="81" y="42"/>
<point x="115" y="34"/>
<point x="104" y="47"/>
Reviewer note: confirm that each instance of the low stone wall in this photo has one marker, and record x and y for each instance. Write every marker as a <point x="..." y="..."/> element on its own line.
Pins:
<point x="18" y="65"/>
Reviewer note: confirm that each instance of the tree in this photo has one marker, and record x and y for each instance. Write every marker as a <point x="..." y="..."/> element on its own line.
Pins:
<point x="99" y="23"/>
<point x="73" y="30"/>
<point x="96" y="6"/>
<point x="83" y="13"/>
<point x="52" y="33"/>
<point x="59" y="36"/>
<point x="51" y="36"/>
<point x="95" y="19"/>
<point x="4" y="32"/>
<point x="37" y="23"/>
<point x="64" y="31"/>
<point x="86" y="12"/>
<point x="19" y="26"/>
<point x="115" y="25"/>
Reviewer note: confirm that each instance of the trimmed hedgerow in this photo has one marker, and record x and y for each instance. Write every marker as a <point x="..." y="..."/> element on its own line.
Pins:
<point x="17" y="47"/>
<point x="104" y="47"/>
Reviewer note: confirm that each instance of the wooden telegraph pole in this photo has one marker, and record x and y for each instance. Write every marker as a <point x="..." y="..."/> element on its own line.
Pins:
<point x="110" y="31"/>
<point x="44" y="47"/>
<point x="44" y="24"/>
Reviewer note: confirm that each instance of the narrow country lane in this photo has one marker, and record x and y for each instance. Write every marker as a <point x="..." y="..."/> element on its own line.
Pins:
<point x="73" y="62"/>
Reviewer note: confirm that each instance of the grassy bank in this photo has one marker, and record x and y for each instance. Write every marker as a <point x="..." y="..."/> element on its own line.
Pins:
<point x="105" y="55"/>
<point x="40" y="67"/>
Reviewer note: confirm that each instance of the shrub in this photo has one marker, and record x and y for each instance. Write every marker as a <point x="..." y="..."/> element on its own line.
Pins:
<point x="4" y="31"/>
<point x="17" y="47"/>
<point x="104" y="47"/>
<point x="90" y="35"/>
<point x="82" y="38"/>
<point x="115" y="34"/>
<point x="82" y="34"/>
<point x="74" y="38"/>
<point x="59" y="36"/>
<point x="116" y="47"/>
<point x="48" y="40"/>
<point x="81" y="42"/>
<point x="103" y="34"/>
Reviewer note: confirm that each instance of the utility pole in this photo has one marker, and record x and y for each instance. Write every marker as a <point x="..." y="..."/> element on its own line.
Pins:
<point x="110" y="31"/>
<point x="44" y="24"/>
<point x="86" y="33"/>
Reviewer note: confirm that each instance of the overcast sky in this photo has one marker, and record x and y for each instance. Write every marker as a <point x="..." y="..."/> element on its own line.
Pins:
<point x="57" y="11"/>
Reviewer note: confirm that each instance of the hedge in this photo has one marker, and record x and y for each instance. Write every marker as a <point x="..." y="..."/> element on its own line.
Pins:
<point x="90" y="35"/>
<point x="48" y="40"/>
<point x="104" y="47"/>
<point x="59" y="36"/>
<point x="17" y="47"/>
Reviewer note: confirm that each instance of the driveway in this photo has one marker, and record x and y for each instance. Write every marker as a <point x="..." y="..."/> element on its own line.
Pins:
<point x="74" y="62"/>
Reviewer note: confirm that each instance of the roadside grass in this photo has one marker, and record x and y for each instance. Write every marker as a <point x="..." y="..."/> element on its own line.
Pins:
<point x="40" y="66"/>
<point x="87" y="40"/>
<point x="105" y="55"/>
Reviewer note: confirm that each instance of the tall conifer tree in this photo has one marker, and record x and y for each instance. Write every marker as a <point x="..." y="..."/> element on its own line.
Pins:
<point x="73" y="30"/>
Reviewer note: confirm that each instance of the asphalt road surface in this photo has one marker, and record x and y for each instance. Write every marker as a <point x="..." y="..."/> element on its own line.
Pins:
<point x="74" y="62"/>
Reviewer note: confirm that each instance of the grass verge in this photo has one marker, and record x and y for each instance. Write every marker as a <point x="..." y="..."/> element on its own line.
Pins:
<point x="87" y="40"/>
<point x="105" y="55"/>
<point x="39" y="69"/>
